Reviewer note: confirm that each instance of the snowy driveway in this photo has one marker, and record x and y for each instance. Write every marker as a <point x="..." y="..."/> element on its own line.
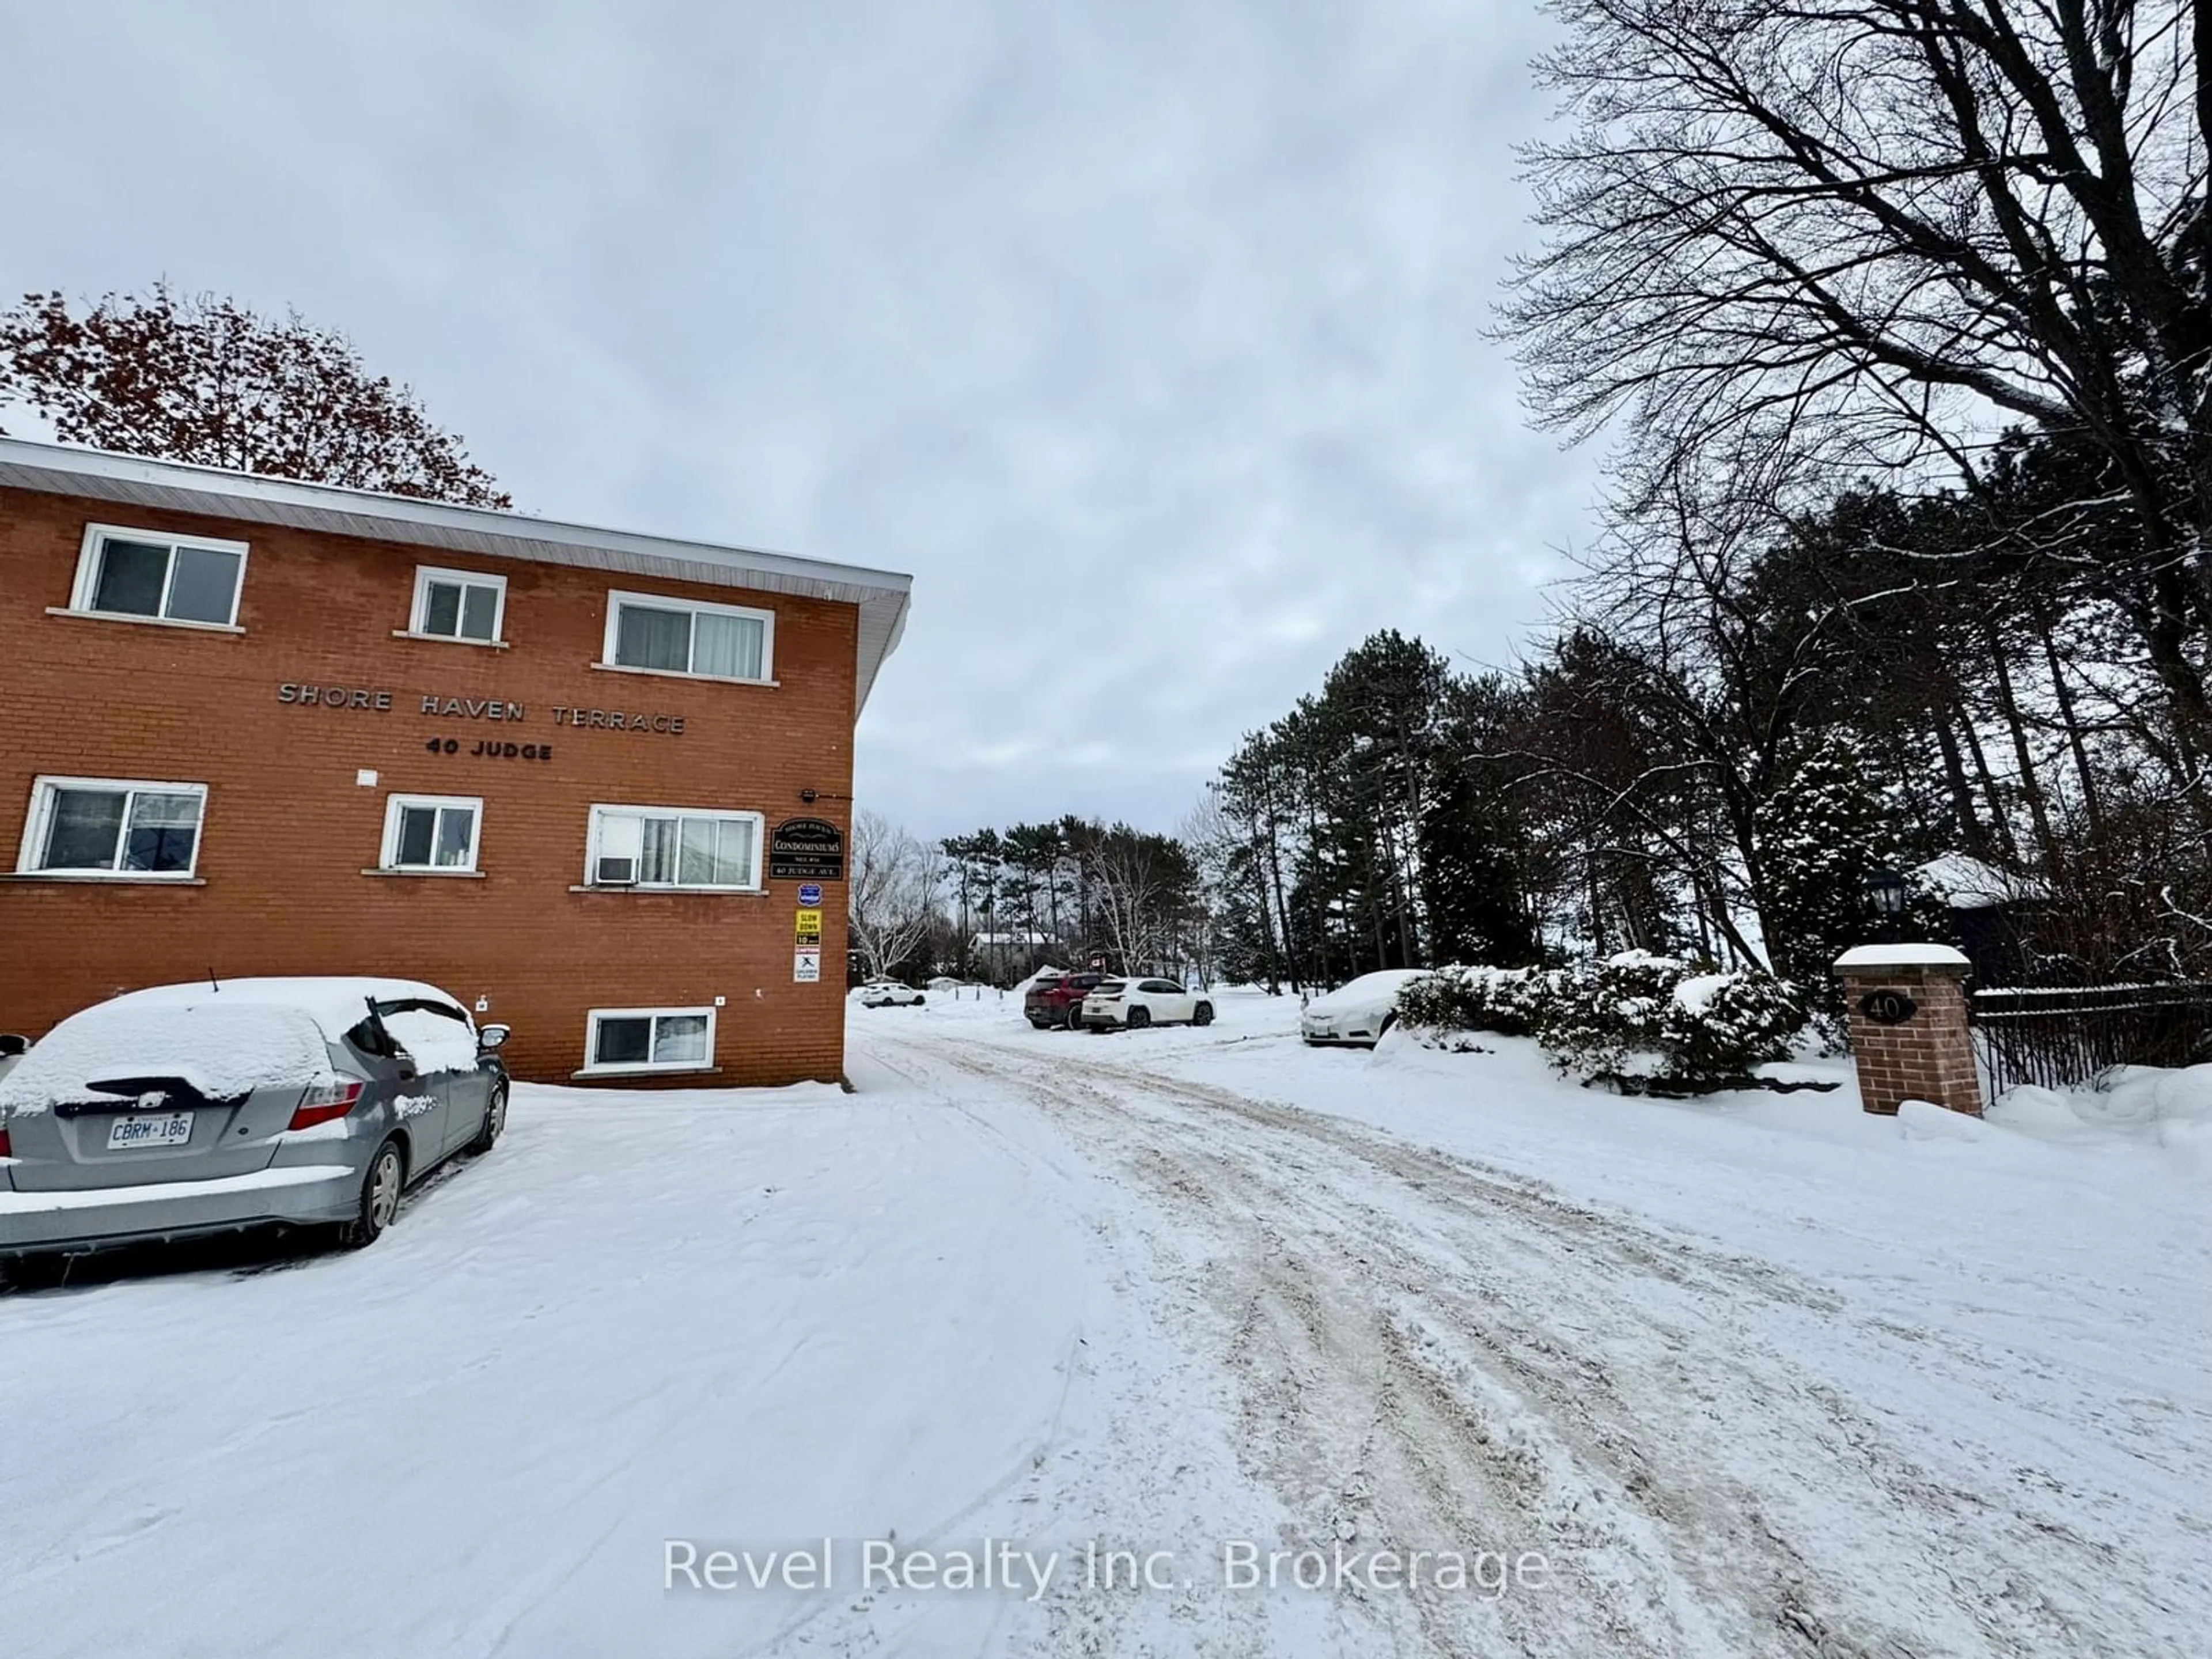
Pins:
<point x="1159" y="1294"/>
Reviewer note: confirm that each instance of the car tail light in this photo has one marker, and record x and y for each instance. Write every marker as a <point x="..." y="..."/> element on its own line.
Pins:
<point x="4" y="1152"/>
<point x="323" y="1102"/>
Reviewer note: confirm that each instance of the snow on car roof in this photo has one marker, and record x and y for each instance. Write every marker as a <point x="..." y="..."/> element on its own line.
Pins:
<point x="334" y="1001"/>
<point x="1385" y="980"/>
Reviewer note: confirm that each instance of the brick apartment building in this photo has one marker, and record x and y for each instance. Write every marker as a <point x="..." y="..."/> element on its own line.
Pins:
<point x="576" y="777"/>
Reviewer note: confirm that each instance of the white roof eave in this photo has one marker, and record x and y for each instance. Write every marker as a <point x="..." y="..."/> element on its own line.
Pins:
<point x="131" y="481"/>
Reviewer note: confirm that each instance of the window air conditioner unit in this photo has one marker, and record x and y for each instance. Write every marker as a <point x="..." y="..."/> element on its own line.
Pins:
<point x="615" y="872"/>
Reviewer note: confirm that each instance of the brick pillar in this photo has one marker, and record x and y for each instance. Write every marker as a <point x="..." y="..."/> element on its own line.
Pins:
<point x="1928" y="1054"/>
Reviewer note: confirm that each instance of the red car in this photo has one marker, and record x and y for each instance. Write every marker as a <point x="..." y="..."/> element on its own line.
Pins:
<point x="1057" y="999"/>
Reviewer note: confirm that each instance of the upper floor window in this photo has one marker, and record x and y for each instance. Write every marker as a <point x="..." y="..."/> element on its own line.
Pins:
<point x="429" y="834"/>
<point x="688" y="636"/>
<point x="112" y="827"/>
<point x="458" y="604"/>
<point x="158" y="577"/>
<point x="673" y="847"/>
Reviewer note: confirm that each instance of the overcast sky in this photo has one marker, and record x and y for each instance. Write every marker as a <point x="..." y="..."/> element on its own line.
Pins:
<point x="1148" y="337"/>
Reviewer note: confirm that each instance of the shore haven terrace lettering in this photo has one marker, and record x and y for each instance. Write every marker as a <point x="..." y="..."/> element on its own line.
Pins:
<point x="377" y="701"/>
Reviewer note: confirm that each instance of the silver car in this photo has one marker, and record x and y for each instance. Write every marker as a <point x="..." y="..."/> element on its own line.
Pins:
<point x="211" y="1108"/>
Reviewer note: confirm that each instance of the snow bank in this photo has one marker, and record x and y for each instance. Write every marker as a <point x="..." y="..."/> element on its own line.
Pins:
<point x="1924" y="1120"/>
<point x="2139" y="1106"/>
<point x="220" y="1051"/>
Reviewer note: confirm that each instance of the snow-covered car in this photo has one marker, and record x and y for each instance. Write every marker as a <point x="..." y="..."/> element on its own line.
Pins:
<point x="210" y="1108"/>
<point x="888" y="994"/>
<point x="1357" y="1014"/>
<point x="1133" y="1004"/>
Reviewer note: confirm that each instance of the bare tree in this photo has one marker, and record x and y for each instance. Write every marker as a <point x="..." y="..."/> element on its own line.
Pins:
<point x="1880" y="230"/>
<point x="1146" y="888"/>
<point x="199" y="379"/>
<point x="892" y="891"/>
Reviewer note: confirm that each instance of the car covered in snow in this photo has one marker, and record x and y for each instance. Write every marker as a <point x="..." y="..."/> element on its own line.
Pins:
<point x="1133" y="1003"/>
<point x="1356" y="1014"/>
<point x="888" y="994"/>
<point x="216" y="1107"/>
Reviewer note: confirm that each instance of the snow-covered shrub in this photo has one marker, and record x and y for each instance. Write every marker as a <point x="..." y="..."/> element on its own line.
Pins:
<point x="1507" y="1000"/>
<point x="1604" y="1018"/>
<point x="1639" y="1022"/>
<point x="1717" y="1026"/>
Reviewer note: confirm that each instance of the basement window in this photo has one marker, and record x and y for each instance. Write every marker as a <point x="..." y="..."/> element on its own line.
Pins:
<point x="650" y="1040"/>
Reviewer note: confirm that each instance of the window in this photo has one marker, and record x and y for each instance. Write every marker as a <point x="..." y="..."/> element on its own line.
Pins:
<point x="458" y="604"/>
<point x="159" y="578"/>
<point x="650" y="1040"/>
<point x="686" y="637"/>
<point x="112" y="827"/>
<point x="429" y="834"/>
<point x="436" y="1035"/>
<point x="673" y="847"/>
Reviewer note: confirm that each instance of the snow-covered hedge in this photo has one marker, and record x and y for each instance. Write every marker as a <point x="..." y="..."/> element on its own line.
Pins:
<point x="1607" y="1019"/>
<point x="1639" y="1022"/>
<point x="1507" y="1000"/>
<point x="1718" y="1026"/>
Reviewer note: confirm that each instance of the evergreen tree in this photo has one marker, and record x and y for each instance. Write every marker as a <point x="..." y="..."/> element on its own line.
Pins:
<point x="1471" y="877"/>
<point x="1820" y="833"/>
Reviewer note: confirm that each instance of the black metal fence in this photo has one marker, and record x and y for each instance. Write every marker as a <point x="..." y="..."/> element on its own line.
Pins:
<point x="2059" y="1037"/>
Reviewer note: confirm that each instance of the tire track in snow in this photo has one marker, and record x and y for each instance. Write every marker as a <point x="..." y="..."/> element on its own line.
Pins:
<point x="1433" y="1352"/>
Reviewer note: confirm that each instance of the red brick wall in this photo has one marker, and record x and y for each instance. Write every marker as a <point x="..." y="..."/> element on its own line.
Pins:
<point x="288" y="830"/>
<point x="1929" y="1056"/>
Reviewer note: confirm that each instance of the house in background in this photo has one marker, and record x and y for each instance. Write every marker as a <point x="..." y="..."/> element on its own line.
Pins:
<point x="1985" y="906"/>
<point x="1003" y="958"/>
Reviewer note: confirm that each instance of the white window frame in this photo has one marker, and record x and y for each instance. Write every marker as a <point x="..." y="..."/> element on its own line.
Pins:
<point x="630" y="1068"/>
<point x="88" y="575"/>
<point x="387" y="857"/>
<point x="616" y="597"/>
<point x="418" y="613"/>
<point x="42" y="790"/>
<point x="602" y="810"/>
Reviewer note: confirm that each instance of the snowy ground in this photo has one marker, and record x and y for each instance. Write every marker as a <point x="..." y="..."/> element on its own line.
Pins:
<point x="1755" y="1376"/>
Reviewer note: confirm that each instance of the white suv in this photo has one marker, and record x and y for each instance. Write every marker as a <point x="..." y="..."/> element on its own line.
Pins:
<point x="888" y="994"/>
<point x="1133" y="1004"/>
